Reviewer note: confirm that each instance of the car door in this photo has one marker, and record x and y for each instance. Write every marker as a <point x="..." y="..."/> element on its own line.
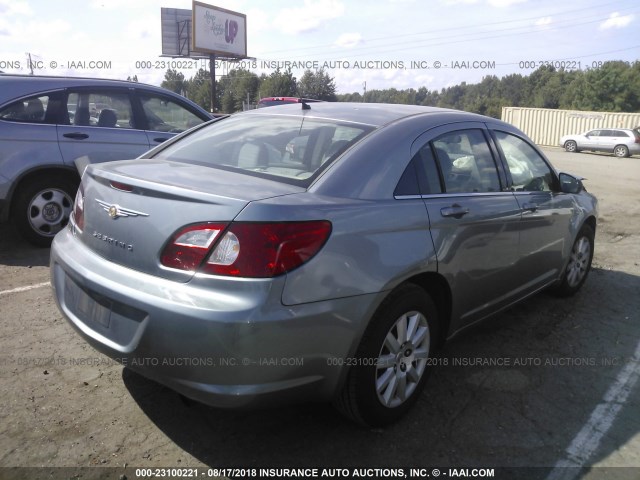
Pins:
<point x="618" y="137"/>
<point x="99" y="126"/>
<point x="605" y="142"/>
<point x="545" y="232"/>
<point x="590" y="140"/>
<point x="474" y="221"/>
<point x="165" y="116"/>
<point x="28" y="138"/>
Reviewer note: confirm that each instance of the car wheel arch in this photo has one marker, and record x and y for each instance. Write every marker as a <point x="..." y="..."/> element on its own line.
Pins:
<point x="64" y="173"/>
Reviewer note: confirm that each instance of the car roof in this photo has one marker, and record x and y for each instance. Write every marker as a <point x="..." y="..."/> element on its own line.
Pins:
<point x="374" y="114"/>
<point x="16" y="86"/>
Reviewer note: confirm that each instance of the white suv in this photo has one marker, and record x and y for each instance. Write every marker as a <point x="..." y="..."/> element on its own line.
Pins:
<point x="622" y="142"/>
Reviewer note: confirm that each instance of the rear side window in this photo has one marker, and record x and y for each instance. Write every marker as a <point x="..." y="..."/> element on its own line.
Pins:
<point x="290" y="149"/>
<point x="99" y="109"/>
<point x="165" y="115"/>
<point x="30" y="110"/>
<point x="466" y="162"/>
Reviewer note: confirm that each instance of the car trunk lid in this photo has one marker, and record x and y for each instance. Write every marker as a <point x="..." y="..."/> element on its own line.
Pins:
<point x="132" y="208"/>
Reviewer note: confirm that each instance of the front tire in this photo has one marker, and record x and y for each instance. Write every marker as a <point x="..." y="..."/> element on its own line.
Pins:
<point x="392" y="362"/>
<point x="571" y="146"/>
<point x="42" y="208"/>
<point x="621" y="151"/>
<point x="579" y="264"/>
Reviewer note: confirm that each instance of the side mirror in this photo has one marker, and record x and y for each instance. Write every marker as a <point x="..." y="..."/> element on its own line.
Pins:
<point x="570" y="184"/>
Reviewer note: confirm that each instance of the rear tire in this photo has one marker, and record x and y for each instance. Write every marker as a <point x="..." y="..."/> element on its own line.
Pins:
<point x="621" y="151"/>
<point x="391" y="365"/>
<point x="579" y="264"/>
<point x="42" y="208"/>
<point x="571" y="146"/>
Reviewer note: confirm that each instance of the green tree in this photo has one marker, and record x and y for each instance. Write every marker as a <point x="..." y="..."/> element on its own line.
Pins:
<point x="174" y="81"/>
<point x="318" y="85"/>
<point x="238" y="85"/>
<point x="278" y="84"/>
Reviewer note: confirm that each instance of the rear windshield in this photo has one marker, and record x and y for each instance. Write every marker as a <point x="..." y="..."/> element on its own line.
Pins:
<point x="288" y="149"/>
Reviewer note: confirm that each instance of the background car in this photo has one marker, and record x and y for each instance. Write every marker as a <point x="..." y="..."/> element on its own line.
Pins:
<point x="52" y="127"/>
<point x="273" y="101"/>
<point x="622" y="142"/>
<point x="238" y="274"/>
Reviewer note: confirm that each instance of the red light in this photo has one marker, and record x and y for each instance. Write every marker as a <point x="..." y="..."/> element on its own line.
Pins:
<point x="188" y="248"/>
<point x="245" y="249"/>
<point x="271" y="249"/>
<point x="78" y="208"/>
<point x="123" y="187"/>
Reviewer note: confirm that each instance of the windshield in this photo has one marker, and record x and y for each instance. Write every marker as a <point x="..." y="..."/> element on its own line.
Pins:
<point x="288" y="149"/>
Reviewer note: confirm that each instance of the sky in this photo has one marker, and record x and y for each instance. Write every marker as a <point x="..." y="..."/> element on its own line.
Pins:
<point x="363" y="44"/>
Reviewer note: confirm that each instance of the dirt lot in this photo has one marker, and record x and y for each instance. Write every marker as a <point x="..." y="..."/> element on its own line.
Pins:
<point x="569" y="400"/>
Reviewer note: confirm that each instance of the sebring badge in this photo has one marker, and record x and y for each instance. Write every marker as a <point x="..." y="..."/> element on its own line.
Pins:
<point x="115" y="210"/>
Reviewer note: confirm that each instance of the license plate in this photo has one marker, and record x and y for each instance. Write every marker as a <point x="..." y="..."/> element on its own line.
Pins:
<point x="86" y="307"/>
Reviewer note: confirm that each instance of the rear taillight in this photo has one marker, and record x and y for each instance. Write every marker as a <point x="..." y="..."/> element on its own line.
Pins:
<point x="188" y="248"/>
<point x="78" y="208"/>
<point x="248" y="249"/>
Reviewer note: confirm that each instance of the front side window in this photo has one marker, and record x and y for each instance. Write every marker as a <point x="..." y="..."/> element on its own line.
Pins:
<point x="466" y="162"/>
<point x="164" y="115"/>
<point x="30" y="110"/>
<point x="100" y="109"/>
<point x="291" y="149"/>
<point x="529" y="171"/>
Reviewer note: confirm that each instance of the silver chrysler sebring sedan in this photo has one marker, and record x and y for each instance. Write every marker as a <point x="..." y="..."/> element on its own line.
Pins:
<point x="315" y="251"/>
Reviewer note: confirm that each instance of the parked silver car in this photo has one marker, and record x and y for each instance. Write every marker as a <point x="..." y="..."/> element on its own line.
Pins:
<point x="622" y="142"/>
<point x="240" y="271"/>
<point x="51" y="127"/>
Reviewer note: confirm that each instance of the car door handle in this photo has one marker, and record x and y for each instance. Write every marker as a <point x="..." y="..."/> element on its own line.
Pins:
<point x="455" y="211"/>
<point x="76" y="135"/>
<point x="530" y="207"/>
<point x="160" y="139"/>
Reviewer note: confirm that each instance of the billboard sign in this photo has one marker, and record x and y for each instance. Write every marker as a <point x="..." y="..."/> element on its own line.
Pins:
<point x="176" y="33"/>
<point x="219" y="31"/>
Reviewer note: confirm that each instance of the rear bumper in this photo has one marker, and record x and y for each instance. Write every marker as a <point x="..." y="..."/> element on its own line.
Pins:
<point x="634" y="149"/>
<point x="224" y="342"/>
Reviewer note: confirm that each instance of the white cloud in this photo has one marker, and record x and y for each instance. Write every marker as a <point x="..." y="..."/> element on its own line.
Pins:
<point x="36" y="31"/>
<point x="143" y="29"/>
<point x="348" y="40"/>
<point x="458" y="2"/>
<point x="504" y="3"/>
<point x="257" y="20"/>
<point x="543" y="22"/>
<point x="616" y="21"/>
<point x="14" y="7"/>
<point x="308" y="17"/>
<point x="126" y="5"/>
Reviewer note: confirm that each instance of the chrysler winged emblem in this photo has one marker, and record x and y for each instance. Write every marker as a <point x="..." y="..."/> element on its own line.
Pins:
<point x="114" y="210"/>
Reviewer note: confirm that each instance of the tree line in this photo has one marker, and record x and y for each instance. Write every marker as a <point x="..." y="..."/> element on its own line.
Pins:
<point x="240" y="86"/>
<point x="614" y="87"/>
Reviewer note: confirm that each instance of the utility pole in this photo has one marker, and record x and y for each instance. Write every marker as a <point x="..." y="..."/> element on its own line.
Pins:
<point x="30" y="63"/>
<point x="364" y="85"/>
<point x="212" y="75"/>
